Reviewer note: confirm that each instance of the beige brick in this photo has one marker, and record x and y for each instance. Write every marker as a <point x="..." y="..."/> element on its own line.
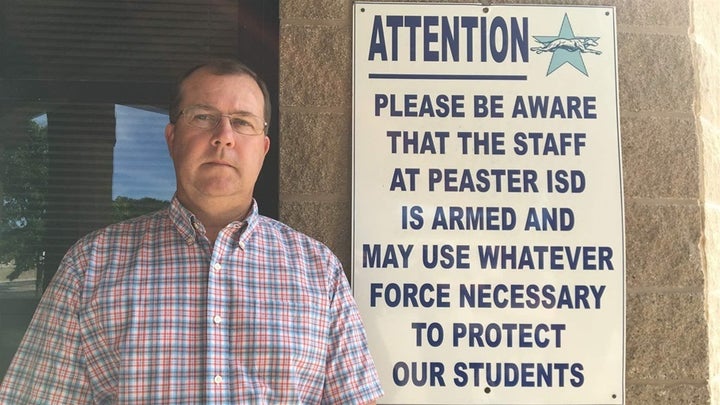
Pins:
<point x="706" y="35"/>
<point x="657" y="12"/>
<point x="711" y="157"/>
<point x="666" y="337"/>
<point x="318" y="10"/>
<point x="315" y="153"/>
<point x="660" y="157"/>
<point x="663" y="246"/>
<point x="713" y="305"/>
<point x="316" y="66"/>
<point x="667" y="394"/>
<point x="712" y="248"/>
<point x="712" y="245"/>
<point x="656" y="73"/>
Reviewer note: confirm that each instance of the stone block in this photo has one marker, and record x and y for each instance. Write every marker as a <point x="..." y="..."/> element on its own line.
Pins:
<point x="660" y="157"/>
<point x="316" y="66"/>
<point x="712" y="246"/>
<point x="710" y="131"/>
<point x="667" y="394"/>
<point x="656" y="73"/>
<point x="660" y="13"/>
<point x="663" y="246"/>
<point x="315" y="153"/>
<point x="666" y="337"/>
<point x="315" y="9"/>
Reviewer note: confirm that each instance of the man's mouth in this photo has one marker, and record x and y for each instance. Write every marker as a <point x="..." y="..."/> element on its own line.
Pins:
<point x="219" y="163"/>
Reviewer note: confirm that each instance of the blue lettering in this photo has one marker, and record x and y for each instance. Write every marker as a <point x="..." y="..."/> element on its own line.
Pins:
<point x="413" y="22"/>
<point x="430" y="38"/>
<point x="532" y="296"/>
<point x="558" y="107"/>
<point x="451" y="39"/>
<point x="373" y="256"/>
<point x="498" y="24"/>
<point x="377" y="40"/>
<point x="439" y="38"/>
<point x="409" y="295"/>
<point x="469" y="23"/>
<point x="394" y="22"/>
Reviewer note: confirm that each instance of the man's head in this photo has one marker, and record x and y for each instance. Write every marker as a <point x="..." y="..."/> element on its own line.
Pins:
<point x="220" y="67"/>
<point x="217" y="136"/>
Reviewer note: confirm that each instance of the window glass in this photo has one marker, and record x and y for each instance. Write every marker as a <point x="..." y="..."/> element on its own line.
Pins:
<point x="141" y="166"/>
<point x="59" y="176"/>
<point x="23" y="169"/>
<point x="84" y="89"/>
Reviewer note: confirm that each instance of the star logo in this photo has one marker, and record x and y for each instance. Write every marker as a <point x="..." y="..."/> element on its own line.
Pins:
<point x="566" y="48"/>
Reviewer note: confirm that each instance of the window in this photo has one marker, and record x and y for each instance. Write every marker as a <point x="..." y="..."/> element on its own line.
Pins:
<point x="141" y="168"/>
<point x="84" y="89"/>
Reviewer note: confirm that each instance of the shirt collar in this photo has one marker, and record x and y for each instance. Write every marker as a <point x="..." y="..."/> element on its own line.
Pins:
<point x="190" y="227"/>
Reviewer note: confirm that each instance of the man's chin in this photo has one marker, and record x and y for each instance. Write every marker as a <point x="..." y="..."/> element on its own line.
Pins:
<point x="220" y="187"/>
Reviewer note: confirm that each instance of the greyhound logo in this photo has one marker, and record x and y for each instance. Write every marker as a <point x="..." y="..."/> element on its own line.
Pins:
<point x="571" y="45"/>
<point x="566" y="48"/>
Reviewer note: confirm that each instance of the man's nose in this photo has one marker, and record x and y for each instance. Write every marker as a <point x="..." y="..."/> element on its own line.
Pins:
<point x="223" y="135"/>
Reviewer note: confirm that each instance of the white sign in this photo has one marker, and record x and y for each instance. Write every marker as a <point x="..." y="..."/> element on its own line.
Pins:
<point x="488" y="234"/>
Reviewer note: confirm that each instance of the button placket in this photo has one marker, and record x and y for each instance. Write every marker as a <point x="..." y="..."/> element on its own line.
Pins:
<point x="217" y="365"/>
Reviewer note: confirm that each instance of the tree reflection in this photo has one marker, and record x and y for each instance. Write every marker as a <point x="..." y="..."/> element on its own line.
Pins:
<point x="24" y="173"/>
<point x="24" y="169"/>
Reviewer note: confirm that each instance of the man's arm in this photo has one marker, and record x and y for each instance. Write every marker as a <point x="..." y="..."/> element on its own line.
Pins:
<point x="49" y="366"/>
<point x="351" y="375"/>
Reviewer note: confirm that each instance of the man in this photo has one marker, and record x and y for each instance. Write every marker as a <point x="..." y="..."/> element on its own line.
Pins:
<point x="203" y="302"/>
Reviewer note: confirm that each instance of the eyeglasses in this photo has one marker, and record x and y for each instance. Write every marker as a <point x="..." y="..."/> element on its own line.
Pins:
<point x="208" y="118"/>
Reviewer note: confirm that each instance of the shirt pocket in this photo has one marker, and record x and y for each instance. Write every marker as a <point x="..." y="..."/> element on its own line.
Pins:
<point x="282" y="346"/>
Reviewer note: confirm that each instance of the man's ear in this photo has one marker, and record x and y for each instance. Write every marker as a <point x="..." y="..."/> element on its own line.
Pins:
<point x="267" y="145"/>
<point x="169" y="137"/>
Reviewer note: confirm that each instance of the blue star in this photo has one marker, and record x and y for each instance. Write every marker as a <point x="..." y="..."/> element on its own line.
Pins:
<point x="562" y="53"/>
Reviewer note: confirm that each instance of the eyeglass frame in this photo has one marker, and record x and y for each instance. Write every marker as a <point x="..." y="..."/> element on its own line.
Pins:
<point x="263" y="130"/>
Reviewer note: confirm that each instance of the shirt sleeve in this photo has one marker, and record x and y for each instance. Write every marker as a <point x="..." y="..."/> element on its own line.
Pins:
<point x="49" y="366"/>
<point x="351" y="375"/>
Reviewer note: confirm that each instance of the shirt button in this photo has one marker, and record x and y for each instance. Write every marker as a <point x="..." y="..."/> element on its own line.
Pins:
<point x="217" y="319"/>
<point x="242" y="245"/>
<point x="217" y="266"/>
<point x="217" y="379"/>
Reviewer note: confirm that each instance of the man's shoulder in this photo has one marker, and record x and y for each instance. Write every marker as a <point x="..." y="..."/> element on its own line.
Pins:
<point x="115" y="241"/>
<point x="287" y="234"/>
<point x="277" y="226"/>
<point x="128" y="228"/>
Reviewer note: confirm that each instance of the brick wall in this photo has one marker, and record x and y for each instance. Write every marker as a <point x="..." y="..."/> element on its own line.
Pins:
<point x="668" y="64"/>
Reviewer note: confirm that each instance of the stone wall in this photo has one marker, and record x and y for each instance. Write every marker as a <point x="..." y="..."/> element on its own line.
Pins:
<point x="668" y="64"/>
<point x="705" y="35"/>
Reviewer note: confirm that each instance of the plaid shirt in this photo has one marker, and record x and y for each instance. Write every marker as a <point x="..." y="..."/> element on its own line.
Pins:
<point x="147" y="312"/>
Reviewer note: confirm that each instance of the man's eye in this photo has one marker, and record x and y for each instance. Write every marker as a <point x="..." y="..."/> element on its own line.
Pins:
<point x="204" y="117"/>
<point x="240" y="122"/>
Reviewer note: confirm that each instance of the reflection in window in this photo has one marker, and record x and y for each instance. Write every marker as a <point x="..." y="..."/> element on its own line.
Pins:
<point x="24" y="173"/>
<point x="143" y="178"/>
